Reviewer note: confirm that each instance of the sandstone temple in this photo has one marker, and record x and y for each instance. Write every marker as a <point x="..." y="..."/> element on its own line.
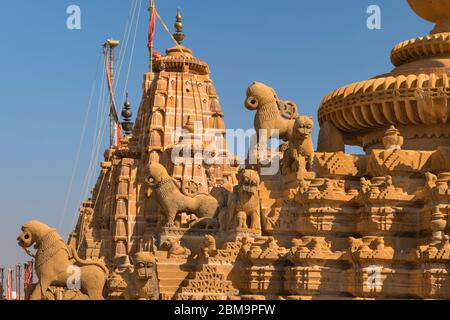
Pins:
<point x="327" y="225"/>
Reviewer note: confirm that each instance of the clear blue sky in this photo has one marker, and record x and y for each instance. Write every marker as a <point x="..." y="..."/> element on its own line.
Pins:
<point x="304" y="49"/>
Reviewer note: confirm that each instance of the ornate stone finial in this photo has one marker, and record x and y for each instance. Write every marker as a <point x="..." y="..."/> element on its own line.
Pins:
<point x="127" y="114"/>
<point x="437" y="11"/>
<point x="179" y="35"/>
<point x="392" y="139"/>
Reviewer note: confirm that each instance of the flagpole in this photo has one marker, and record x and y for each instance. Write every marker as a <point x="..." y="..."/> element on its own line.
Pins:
<point x="17" y="281"/>
<point x="9" y="284"/>
<point x="150" y="49"/>
<point x="25" y="277"/>
<point x="109" y="46"/>
<point x="111" y="121"/>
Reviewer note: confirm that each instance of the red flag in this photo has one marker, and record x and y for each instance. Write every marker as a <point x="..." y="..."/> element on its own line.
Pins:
<point x="28" y="276"/>
<point x="151" y="29"/>
<point x="117" y="141"/>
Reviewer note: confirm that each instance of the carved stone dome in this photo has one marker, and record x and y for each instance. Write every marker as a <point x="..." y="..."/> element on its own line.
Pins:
<point x="414" y="97"/>
<point x="180" y="59"/>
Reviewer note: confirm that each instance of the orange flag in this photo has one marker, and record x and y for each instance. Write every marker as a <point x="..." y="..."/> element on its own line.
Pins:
<point x="151" y="29"/>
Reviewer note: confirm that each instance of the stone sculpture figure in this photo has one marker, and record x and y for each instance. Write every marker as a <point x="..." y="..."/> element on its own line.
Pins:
<point x="209" y="247"/>
<point x="172" y="201"/>
<point x="244" y="204"/>
<point x="176" y="249"/>
<point x="55" y="260"/>
<point x="264" y="100"/>
<point x="117" y="282"/>
<point x="300" y="145"/>
<point x="143" y="281"/>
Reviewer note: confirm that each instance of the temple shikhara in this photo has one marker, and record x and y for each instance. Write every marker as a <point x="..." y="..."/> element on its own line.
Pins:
<point x="175" y="215"/>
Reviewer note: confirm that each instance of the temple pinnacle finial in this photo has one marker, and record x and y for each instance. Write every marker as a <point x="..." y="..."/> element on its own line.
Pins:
<point x="127" y="114"/>
<point x="179" y="35"/>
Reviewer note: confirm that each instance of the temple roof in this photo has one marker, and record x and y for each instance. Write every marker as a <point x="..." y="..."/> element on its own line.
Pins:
<point x="180" y="59"/>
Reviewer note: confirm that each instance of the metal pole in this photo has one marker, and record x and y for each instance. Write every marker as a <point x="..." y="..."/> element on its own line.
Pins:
<point x="111" y="67"/>
<point x="111" y="122"/>
<point x="109" y="46"/>
<point x="111" y="62"/>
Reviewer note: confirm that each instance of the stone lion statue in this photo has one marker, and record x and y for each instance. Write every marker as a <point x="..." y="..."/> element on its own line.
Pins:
<point x="243" y="203"/>
<point x="143" y="282"/>
<point x="264" y="100"/>
<point x="300" y="148"/>
<point x="55" y="261"/>
<point x="175" y="249"/>
<point x="172" y="201"/>
<point x="208" y="247"/>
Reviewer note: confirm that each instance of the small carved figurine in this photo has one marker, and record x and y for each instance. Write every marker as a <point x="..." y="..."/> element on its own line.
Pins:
<point x="243" y="203"/>
<point x="143" y="282"/>
<point x="209" y="247"/>
<point x="300" y="146"/>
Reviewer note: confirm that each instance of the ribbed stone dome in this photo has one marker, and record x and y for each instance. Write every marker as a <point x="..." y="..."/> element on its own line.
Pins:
<point x="414" y="97"/>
